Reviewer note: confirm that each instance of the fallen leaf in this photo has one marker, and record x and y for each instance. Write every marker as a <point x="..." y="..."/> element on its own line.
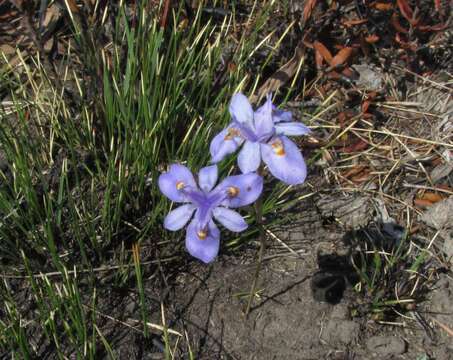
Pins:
<point x="382" y="6"/>
<point x="348" y="73"/>
<point x="308" y="8"/>
<point x="422" y="203"/>
<point x="438" y="27"/>
<point x="353" y="22"/>
<point x="365" y="105"/>
<point x="371" y="39"/>
<point x="359" y="145"/>
<point x="282" y="75"/>
<point x="437" y="5"/>
<point x="362" y="177"/>
<point x="318" y="59"/>
<point x="341" y="57"/>
<point x="404" y="44"/>
<point x="354" y="171"/>
<point x="323" y="51"/>
<point x="431" y="196"/>
<point x="407" y="12"/>
<point x="396" y="24"/>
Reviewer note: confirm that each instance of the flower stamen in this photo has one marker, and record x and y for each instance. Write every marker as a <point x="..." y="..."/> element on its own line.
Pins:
<point x="180" y="185"/>
<point x="202" y="234"/>
<point x="232" y="132"/>
<point x="277" y="145"/>
<point x="233" y="191"/>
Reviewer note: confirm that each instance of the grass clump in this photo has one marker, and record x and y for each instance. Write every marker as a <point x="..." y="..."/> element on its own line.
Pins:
<point x="83" y="138"/>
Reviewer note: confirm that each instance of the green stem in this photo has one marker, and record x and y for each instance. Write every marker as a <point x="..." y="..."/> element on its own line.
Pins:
<point x="259" y="223"/>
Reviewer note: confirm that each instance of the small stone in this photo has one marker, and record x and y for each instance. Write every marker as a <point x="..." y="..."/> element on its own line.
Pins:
<point x="386" y="345"/>
<point x="371" y="78"/>
<point x="439" y="215"/>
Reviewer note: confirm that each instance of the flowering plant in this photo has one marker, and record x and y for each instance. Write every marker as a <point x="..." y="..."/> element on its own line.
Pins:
<point x="208" y="202"/>
<point x="263" y="135"/>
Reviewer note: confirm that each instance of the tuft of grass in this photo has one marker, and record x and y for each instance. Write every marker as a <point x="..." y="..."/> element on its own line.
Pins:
<point x="81" y="149"/>
<point x="394" y="273"/>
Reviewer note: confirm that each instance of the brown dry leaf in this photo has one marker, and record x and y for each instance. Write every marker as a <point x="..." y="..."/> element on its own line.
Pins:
<point x="341" y="57"/>
<point x="362" y="177"/>
<point x="371" y="39"/>
<point x="396" y="24"/>
<point x="405" y="45"/>
<point x="359" y="145"/>
<point x="407" y="12"/>
<point x="382" y="6"/>
<point x="437" y="5"/>
<point x="282" y="75"/>
<point x="325" y="53"/>
<point x="422" y="203"/>
<point x="353" y="22"/>
<point x="438" y="27"/>
<point x="431" y="196"/>
<point x="354" y="171"/>
<point x="308" y="8"/>
<point x="365" y="105"/>
<point x="319" y="59"/>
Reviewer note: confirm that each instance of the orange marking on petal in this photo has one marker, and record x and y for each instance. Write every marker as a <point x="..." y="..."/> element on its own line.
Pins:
<point x="232" y="132"/>
<point x="233" y="191"/>
<point x="279" y="150"/>
<point x="202" y="234"/>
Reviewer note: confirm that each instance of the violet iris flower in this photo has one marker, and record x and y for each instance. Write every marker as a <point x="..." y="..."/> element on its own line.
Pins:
<point x="208" y="202"/>
<point x="263" y="136"/>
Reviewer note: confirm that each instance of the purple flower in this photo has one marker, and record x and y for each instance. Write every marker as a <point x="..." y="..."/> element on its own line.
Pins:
<point x="262" y="134"/>
<point x="208" y="202"/>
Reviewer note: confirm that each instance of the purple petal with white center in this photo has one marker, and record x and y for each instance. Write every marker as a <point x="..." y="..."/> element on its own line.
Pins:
<point x="177" y="218"/>
<point x="289" y="167"/>
<point x="249" y="158"/>
<point x="249" y="187"/>
<point x="221" y="147"/>
<point x="172" y="182"/>
<point x="207" y="178"/>
<point x="203" y="249"/>
<point x="264" y="124"/>
<point x="281" y="115"/>
<point x="291" y="129"/>
<point x="241" y="110"/>
<point x="232" y="220"/>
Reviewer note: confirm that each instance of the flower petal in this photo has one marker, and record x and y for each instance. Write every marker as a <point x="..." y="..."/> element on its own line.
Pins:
<point x="172" y="182"/>
<point x="291" y="128"/>
<point x="249" y="157"/>
<point x="232" y="220"/>
<point x="203" y="215"/>
<point x="222" y="145"/>
<point x="177" y="218"/>
<point x="281" y="115"/>
<point x="248" y="188"/>
<point x="264" y="124"/>
<point x="207" y="178"/>
<point x="288" y="165"/>
<point x="204" y="249"/>
<point x="241" y="110"/>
